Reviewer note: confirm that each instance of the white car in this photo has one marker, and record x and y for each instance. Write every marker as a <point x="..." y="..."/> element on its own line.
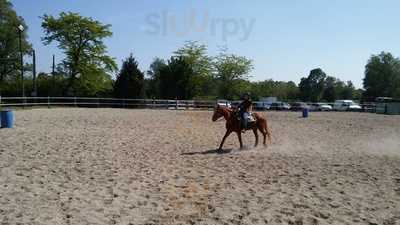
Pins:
<point x="346" y="105"/>
<point x="262" y="105"/>
<point x="224" y="103"/>
<point x="320" y="107"/>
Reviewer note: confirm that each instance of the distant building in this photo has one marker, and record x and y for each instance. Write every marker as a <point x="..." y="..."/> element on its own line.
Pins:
<point x="388" y="106"/>
<point x="269" y="99"/>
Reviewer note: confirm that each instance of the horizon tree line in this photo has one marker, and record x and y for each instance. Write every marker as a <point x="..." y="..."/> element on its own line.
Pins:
<point x="190" y="73"/>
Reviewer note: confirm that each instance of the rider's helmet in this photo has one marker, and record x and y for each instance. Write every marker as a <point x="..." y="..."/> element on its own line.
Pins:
<point x="246" y="96"/>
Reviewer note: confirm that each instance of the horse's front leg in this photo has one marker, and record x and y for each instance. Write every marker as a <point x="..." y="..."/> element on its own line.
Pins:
<point x="228" y="132"/>
<point x="239" y="134"/>
<point x="256" y="135"/>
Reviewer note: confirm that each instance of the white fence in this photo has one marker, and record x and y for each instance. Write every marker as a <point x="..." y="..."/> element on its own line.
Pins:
<point x="104" y="102"/>
<point x="126" y="103"/>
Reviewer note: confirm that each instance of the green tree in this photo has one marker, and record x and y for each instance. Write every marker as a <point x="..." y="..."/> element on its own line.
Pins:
<point x="153" y="80"/>
<point x="336" y="89"/>
<point x="175" y="79"/>
<point x="130" y="80"/>
<point x="95" y="82"/>
<point x="330" y="93"/>
<point x="9" y="43"/>
<point x="382" y="76"/>
<point x="312" y="87"/>
<point x="357" y="94"/>
<point x="45" y="82"/>
<point x="348" y="90"/>
<point x="81" y="39"/>
<point x="195" y="56"/>
<point x="280" y="89"/>
<point x="230" y="71"/>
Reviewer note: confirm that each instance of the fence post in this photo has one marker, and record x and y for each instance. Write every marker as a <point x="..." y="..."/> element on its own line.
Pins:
<point x="176" y="103"/>
<point x="75" y="101"/>
<point x="48" y="102"/>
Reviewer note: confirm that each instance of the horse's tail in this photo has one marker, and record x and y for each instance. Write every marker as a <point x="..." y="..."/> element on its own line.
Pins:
<point x="265" y="128"/>
<point x="268" y="132"/>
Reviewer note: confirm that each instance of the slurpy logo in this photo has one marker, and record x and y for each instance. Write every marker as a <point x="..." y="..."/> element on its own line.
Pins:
<point x="194" y="22"/>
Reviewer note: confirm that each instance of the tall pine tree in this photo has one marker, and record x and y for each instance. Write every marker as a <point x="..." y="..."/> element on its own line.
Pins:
<point x="130" y="80"/>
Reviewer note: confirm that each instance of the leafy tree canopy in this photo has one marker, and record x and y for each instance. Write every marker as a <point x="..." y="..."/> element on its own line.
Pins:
<point x="382" y="76"/>
<point x="9" y="40"/>
<point x="81" y="39"/>
<point x="230" y="70"/>
<point x="130" y="80"/>
<point x="195" y="56"/>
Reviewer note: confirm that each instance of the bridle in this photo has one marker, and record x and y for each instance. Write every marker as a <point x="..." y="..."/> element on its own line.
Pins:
<point x="216" y="112"/>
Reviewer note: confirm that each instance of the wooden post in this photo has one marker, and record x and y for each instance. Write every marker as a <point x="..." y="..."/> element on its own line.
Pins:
<point x="176" y="103"/>
<point x="48" y="102"/>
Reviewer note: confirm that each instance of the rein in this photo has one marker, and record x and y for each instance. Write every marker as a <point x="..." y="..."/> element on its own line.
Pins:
<point x="226" y="113"/>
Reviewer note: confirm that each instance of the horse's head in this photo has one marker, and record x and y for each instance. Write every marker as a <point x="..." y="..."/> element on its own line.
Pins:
<point x="217" y="113"/>
<point x="221" y="111"/>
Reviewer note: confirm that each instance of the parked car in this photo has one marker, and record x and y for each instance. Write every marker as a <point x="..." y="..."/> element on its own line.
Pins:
<point x="235" y="104"/>
<point x="262" y="105"/>
<point x="383" y="99"/>
<point x="320" y="107"/>
<point x="346" y="105"/>
<point x="280" y="106"/>
<point x="223" y="102"/>
<point x="298" y="106"/>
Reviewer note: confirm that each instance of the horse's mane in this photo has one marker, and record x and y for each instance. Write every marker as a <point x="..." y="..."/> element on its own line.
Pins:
<point x="230" y="110"/>
<point x="227" y="108"/>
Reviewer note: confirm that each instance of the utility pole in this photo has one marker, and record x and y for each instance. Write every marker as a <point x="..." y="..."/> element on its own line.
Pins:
<point x="54" y="65"/>
<point x="34" y="73"/>
<point x="53" y="73"/>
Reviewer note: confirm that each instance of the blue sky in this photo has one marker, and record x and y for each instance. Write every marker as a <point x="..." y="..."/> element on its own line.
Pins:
<point x="285" y="39"/>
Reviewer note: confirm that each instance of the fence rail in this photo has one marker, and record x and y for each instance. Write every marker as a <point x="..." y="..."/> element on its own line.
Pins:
<point x="127" y="103"/>
<point x="104" y="102"/>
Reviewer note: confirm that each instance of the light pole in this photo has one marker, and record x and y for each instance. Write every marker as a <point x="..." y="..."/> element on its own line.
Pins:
<point x="20" y="30"/>
<point x="34" y="93"/>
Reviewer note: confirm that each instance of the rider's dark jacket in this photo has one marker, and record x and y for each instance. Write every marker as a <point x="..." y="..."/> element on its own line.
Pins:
<point x="244" y="106"/>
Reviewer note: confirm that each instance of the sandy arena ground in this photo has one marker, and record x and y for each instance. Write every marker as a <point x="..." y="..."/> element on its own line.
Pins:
<point x="115" y="166"/>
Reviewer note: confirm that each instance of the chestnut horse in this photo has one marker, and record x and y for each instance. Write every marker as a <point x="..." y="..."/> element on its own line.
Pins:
<point x="233" y="125"/>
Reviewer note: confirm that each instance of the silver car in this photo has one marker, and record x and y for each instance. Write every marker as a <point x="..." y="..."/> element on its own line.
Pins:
<point x="320" y="107"/>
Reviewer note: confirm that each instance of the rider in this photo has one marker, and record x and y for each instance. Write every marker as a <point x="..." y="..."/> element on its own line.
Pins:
<point x="244" y="108"/>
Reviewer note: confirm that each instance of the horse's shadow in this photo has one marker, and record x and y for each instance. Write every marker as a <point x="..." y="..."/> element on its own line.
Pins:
<point x="208" y="152"/>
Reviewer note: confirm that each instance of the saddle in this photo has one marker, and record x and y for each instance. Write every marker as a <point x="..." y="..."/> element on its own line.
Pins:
<point x="250" y="117"/>
<point x="247" y="116"/>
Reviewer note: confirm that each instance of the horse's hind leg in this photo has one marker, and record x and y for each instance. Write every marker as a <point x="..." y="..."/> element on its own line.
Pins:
<point x="264" y="132"/>
<point x="256" y="135"/>
<point x="239" y="134"/>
